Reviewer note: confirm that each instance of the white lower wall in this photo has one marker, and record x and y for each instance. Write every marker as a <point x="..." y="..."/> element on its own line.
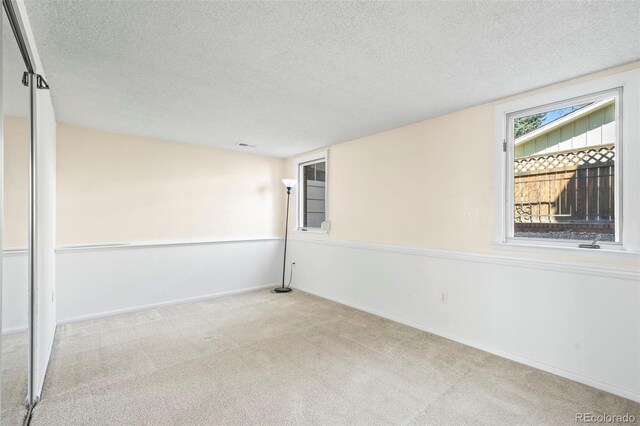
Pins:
<point x="579" y="322"/>
<point x="100" y="281"/>
<point x="15" y="291"/>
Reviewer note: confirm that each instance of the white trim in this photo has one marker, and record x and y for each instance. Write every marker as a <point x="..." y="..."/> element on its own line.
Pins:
<point x="575" y="267"/>
<point x="627" y="204"/>
<point x="311" y="231"/>
<point x="308" y="158"/>
<point x="14" y="252"/>
<point x="508" y="355"/>
<point x="144" y="244"/>
<point x="14" y="330"/>
<point x="606" y="250"/>
<point x="159" y="244"/>
<point x="536" y="243"/>
<point x="169" y="303"/>
<point x="620" y="272"/>
<point x="314" y="158"/>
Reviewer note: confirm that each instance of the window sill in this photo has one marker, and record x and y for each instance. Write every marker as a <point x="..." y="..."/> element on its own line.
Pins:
<point x="312" y="231"/>
<point x="607" y="251"/>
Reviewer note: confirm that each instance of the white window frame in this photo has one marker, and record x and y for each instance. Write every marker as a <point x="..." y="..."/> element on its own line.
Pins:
<point x="300" y="163"/>
<point x="625" y="87"/>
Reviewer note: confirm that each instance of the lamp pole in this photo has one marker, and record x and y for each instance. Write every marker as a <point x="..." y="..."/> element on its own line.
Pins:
<point x="288" y="183"/>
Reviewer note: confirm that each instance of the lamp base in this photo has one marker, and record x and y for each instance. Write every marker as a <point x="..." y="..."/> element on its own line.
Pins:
<point x="282" y="289"/>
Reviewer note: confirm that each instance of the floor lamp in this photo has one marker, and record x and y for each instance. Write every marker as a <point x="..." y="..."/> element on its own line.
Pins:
<point x="288" y="183"/>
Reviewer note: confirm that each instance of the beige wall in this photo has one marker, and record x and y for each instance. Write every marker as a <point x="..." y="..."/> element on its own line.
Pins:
<point x="114" y="188"/>
<point x="121" y="188"/>
<point x="427" y="185"/>
<point x="16" y="182"/>
<point x="417" y="185"/>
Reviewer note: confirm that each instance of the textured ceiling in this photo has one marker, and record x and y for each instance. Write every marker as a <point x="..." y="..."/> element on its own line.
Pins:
<point x="295" y="76"/>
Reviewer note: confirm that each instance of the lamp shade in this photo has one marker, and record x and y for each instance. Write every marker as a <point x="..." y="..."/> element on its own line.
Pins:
<point x="289" y="183"/>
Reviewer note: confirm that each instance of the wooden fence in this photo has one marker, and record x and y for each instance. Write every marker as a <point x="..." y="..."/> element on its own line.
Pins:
<point x="566" y="187"/>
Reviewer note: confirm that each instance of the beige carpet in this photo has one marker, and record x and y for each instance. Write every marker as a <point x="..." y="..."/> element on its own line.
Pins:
<point x="15" y="356"/>
<point x="262" y="358"/>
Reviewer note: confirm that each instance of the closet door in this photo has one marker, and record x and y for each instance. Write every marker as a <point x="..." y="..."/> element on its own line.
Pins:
<point x="15" y="353"/>
<point x="44" y="201"/>
<point x="28" y="308"/>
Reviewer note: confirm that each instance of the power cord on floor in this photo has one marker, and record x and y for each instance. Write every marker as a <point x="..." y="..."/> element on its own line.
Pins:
<point x="293" y="268"/>
<point x="27" y="418"/>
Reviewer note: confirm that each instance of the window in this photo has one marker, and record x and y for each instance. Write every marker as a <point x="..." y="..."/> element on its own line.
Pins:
<point x="564" y="174"/>
<point x="562" y="157"/>
<point x="312" y="193"/>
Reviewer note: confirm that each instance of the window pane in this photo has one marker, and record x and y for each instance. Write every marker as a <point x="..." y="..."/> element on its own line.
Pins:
<point x="314" y="212"/>
<point x="310" y="172"/>
<point x="564" y="173"/>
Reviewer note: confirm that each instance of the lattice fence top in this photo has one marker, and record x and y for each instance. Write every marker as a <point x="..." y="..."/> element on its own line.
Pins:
<point x="591" y="156"/>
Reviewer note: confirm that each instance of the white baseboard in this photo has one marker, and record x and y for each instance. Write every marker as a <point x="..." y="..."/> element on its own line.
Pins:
<point x="513" y="357"/>
<point x="159" y="305"/>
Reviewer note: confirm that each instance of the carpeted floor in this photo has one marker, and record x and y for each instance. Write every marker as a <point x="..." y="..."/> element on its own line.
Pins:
<point x="262" y="358"/>
<point x="15" y="356"/>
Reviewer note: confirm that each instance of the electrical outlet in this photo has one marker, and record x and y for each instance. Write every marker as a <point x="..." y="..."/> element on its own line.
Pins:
<point x="444" y="297"/>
